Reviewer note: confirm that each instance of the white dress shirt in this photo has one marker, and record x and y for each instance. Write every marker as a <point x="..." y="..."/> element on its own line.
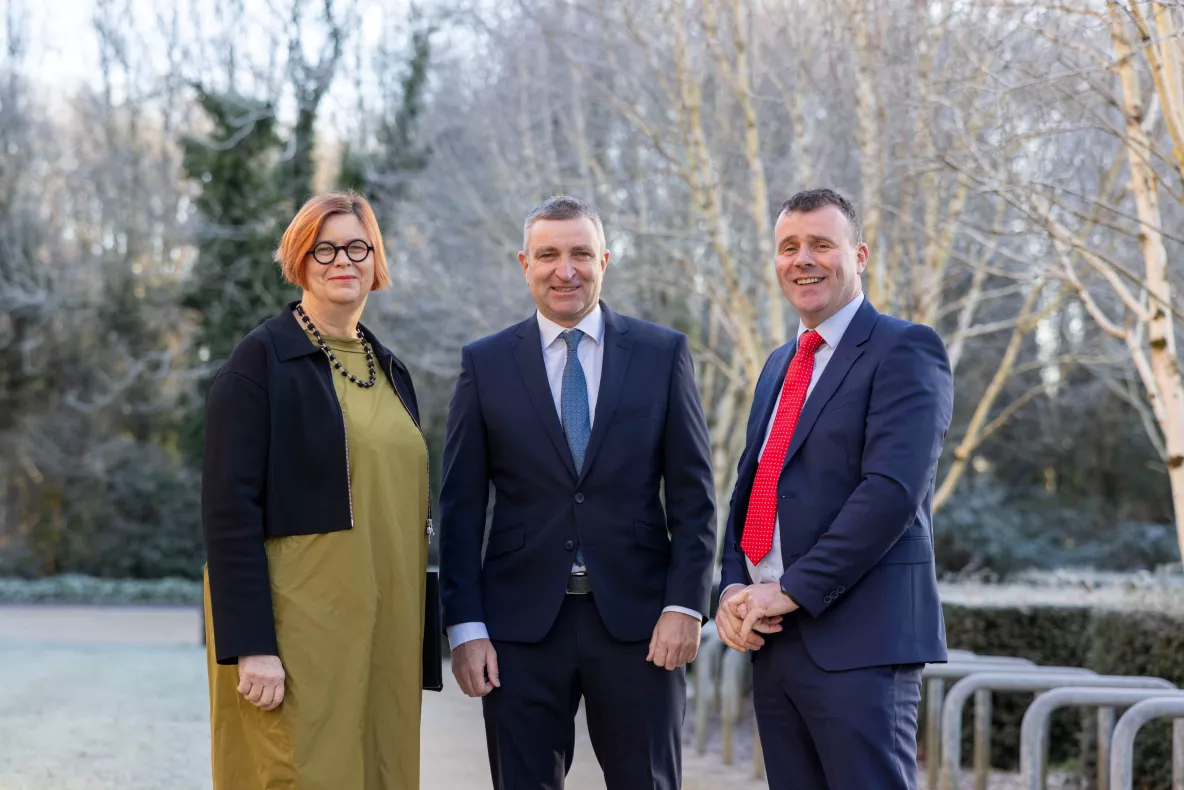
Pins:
<point x="591" y="354"/>
<point x="590" y="351"/>
<point x="832" y="330"/>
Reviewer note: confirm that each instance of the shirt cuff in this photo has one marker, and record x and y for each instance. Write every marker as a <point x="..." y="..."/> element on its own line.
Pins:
<point x="684" y="610"/>
<point x="465" y="632"/>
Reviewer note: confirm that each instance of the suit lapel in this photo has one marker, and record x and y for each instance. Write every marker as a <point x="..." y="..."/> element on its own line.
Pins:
<point x="617" y="350"/>
<point x="764" y="400"/>
<point x="529" y="356"/>
<point x="771" y="393"/>
<point x="850" y="349"/>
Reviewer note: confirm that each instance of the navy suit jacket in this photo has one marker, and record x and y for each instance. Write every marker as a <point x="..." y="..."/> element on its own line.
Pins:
<point x="642" y="510"/>
<point x="855" y="496"/>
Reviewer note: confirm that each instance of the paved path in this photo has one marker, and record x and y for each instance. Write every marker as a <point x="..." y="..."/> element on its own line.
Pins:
<point x="114" y="698"/>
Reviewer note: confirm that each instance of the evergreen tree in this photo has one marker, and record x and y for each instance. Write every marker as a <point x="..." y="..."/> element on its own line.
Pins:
<point x="235" y="284"/>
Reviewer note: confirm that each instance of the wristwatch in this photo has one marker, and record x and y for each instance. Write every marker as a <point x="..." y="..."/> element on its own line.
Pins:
<point x="785" y="592"/>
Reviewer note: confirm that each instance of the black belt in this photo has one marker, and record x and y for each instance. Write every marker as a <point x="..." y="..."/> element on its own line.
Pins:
<point x="579" y="584"/>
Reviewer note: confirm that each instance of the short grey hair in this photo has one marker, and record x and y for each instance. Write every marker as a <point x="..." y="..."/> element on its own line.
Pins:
<point x="561" y="207"/>
<point x="814" y="199"/>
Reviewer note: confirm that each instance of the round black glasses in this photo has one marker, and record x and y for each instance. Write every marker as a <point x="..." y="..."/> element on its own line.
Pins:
<point x="325" y="253"/>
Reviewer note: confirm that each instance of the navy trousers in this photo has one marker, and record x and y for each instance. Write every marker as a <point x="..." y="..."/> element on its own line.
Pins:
<point x="851" y="730"/>
<point x="635" y="710"/>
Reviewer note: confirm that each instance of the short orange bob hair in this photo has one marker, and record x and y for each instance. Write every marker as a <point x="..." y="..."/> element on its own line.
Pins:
<point x="302" y="232"/>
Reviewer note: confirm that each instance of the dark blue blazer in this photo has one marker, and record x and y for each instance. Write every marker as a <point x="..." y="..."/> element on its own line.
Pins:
<point x="856" y="495"/>
<point x="645" y="548"/>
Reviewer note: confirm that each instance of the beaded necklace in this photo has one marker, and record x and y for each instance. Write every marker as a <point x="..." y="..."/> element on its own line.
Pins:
<point x="323" y="346"/>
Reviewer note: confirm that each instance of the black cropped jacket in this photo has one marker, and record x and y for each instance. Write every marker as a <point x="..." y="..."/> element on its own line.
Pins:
<point x="275" y="463"/>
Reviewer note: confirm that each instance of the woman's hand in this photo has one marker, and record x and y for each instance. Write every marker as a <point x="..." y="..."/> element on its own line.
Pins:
<point x="261" y="681"/>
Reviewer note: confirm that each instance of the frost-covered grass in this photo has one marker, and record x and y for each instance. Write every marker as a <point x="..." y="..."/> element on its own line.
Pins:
<point x="1167" y="576"/>
<point x="1158" y="591"/>
<point x="71" y="588"/>
<point x="1162" y="590"/>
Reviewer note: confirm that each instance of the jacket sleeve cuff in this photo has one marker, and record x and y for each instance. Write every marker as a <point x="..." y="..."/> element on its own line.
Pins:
<point x="789" y="595"/>
<point x="261" y="644"/>
<point x="807" y="600"/>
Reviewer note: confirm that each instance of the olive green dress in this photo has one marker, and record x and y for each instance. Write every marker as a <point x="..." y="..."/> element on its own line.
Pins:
<point x="349" y="610"/>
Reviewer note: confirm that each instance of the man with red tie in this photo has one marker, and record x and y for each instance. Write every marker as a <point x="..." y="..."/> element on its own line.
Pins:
<point x="828" y="569"/>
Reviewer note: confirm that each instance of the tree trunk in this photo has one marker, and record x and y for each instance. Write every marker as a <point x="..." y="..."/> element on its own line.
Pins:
<point x="1144" y="185"/>
<point x="879" y="284"/>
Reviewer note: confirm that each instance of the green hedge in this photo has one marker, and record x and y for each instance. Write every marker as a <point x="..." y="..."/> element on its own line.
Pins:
<point x="1110" y="642"/>
<point x="1142" y="643"/>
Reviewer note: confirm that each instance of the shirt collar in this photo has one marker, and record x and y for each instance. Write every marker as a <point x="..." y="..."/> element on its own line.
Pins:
<point x="833" y="328"/>
<point x="592" y="325"/>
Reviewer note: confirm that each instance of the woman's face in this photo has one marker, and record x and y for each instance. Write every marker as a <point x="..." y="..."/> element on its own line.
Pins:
<point x="343" y="281"/>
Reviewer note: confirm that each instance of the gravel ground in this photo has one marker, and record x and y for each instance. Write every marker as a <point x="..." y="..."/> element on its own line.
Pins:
<point x="92" y="717"/>
<point x="114" y="698"/>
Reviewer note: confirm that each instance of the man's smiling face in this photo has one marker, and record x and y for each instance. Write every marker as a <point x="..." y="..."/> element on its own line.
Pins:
<point x="818" y="262"/>
<point x="564" y="263"/>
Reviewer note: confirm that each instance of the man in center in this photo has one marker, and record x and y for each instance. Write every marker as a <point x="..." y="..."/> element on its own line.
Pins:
<point x="596" y="571"/>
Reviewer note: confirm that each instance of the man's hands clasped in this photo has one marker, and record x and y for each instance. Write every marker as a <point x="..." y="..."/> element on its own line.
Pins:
<point x="747" y="612"/>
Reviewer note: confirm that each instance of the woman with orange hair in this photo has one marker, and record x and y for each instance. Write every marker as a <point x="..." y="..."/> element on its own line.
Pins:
<point x="316" y="517"/>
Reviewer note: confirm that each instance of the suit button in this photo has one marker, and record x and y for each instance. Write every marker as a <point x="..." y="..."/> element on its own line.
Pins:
<point x="841" y="590"/>
<point x="571" y="544"/>
<point x="579" y="499"/>
<point x="827" y="599"/>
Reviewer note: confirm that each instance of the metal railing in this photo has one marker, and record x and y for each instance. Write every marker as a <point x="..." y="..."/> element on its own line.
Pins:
<point x="721" y="677"/>
<point x="1123" y="742"/>
<point x="704" y="678"/>
<point x="962" y="663"/>
<point x="734" y="675"/>
<point x="1033" y="679"/>
<point x="1034" y="731"/>
<point x="935" y="677"/>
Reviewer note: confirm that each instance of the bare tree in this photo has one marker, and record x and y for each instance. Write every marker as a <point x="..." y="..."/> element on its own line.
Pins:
<point x="1108" y="79"/>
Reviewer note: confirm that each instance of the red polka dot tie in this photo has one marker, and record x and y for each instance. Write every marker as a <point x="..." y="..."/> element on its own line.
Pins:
<point x="762" y="504"/>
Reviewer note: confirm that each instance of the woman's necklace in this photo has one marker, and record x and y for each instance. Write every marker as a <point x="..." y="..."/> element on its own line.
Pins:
<point x="333" y="357"/>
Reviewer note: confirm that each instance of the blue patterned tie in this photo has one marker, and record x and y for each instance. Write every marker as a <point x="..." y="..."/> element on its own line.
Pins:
<point x="573" y="400"/>
<point x="573" y="403"/>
